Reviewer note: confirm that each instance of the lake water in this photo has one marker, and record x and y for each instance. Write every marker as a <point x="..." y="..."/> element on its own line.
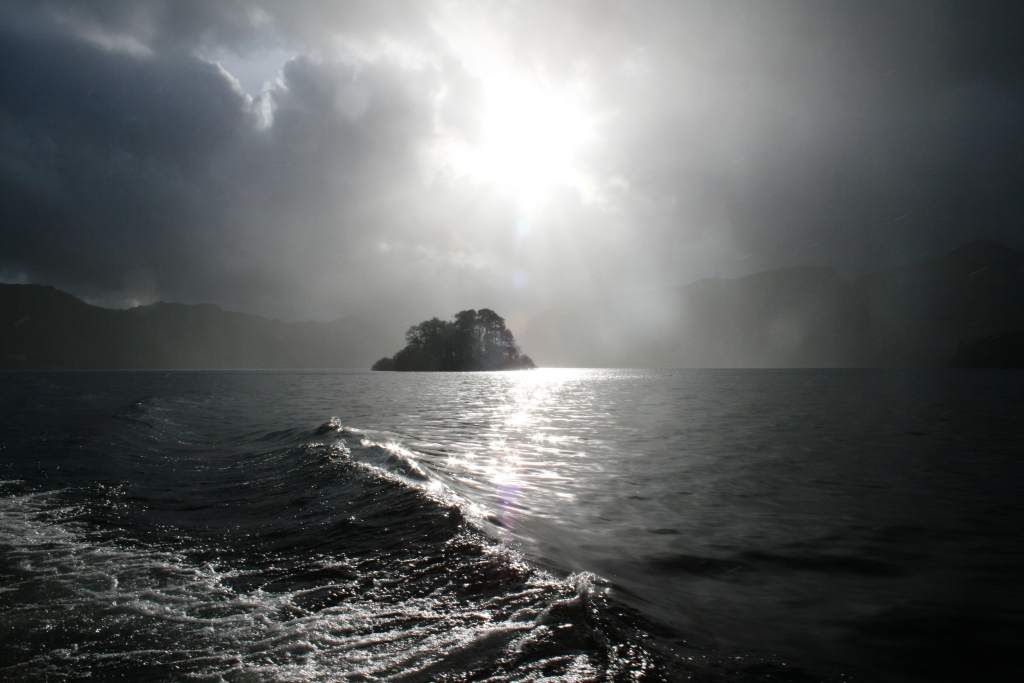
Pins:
<point x="575" y="525"/>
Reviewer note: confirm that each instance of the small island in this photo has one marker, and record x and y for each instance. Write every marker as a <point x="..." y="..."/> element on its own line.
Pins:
<point x="472" y="340"/>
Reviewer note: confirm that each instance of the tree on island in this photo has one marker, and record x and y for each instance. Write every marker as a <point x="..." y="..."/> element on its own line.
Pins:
<point x="473" y="340"/>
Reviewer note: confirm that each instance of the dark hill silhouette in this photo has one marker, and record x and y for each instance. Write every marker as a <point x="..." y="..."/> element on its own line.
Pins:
<point x="912" y="316"/>
<point x="44" y="328"/>
<point x="1003" y="350"/>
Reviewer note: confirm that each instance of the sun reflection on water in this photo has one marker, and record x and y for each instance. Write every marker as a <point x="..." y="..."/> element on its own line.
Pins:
<point x="534" y="458"/>
<point x="523" y="465"/>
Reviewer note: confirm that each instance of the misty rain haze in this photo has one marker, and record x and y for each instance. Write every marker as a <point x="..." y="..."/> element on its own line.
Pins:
<point x="312" y="160"/>
<point x="768" y="257"/>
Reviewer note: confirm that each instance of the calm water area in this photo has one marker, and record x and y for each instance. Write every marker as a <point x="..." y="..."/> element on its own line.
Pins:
<point x="574" y="525"/>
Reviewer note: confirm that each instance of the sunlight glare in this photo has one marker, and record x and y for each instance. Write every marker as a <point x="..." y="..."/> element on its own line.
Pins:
<point x="531" y="136"/>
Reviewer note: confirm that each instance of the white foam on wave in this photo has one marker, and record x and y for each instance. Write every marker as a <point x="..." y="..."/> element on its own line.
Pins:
<point x="83" y="605"/>
<point x="390" y="459"/>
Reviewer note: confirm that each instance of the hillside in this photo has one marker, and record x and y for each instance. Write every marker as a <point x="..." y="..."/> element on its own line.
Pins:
<point x="914" y="316"/>
<point x="1003" y="350"/>
<point x="44" y="328"/>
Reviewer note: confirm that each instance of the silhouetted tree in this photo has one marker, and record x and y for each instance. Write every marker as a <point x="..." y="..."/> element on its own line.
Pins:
<point x="474" y="340"/>
<point x="465" y="340"/>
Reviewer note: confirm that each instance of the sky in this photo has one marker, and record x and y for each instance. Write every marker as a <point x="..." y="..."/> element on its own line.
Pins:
<point x="315" y="159"/>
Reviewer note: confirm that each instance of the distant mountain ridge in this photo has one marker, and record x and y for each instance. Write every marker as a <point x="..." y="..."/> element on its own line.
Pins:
<point x="45" y="328"/>
<point x="920" y="315"/>
<point x="912" y="316"/>
<point x="1003" y="350"/>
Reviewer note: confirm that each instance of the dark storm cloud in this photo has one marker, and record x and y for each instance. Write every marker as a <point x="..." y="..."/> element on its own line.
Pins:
<point x="101" y="151"/>
<point x="729" y="137"/>
<point x="174" y="110"/>
<point x="175" y="25"/>
<point x="134" y="174"/>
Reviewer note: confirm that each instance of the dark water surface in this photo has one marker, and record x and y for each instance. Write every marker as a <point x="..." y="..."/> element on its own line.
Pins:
<point x="576" y="525"/>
